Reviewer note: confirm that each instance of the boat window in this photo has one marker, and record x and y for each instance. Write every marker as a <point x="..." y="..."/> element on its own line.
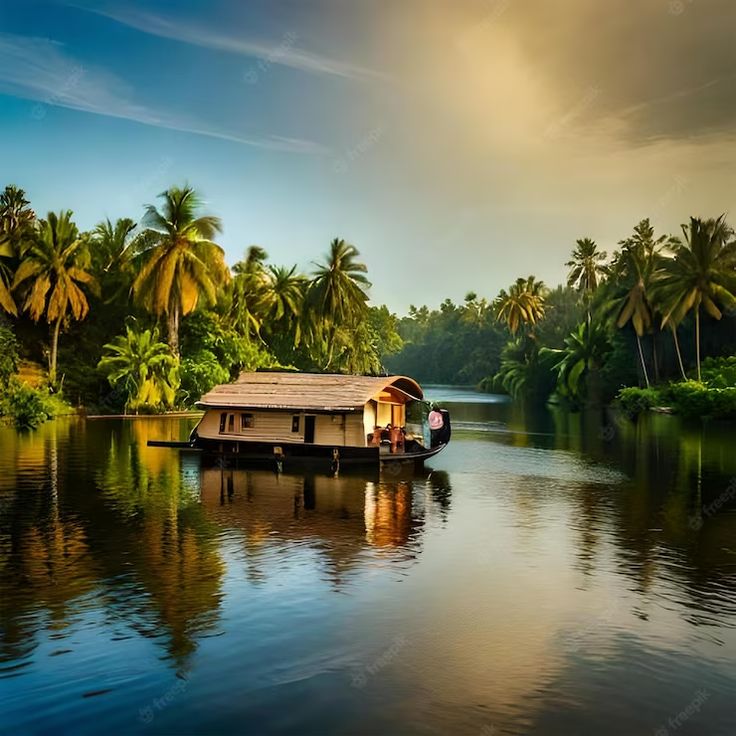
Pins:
<point x="295" y="423"/>
<point x="223" y="418"/>
<point x="231" y="423"/>
<point x="246" y="421"/>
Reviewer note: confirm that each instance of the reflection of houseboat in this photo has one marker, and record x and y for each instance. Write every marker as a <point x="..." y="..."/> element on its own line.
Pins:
<point x="308" y="416"/>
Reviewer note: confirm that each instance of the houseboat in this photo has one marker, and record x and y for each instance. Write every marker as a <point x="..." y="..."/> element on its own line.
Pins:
<point x="289" y="417"/>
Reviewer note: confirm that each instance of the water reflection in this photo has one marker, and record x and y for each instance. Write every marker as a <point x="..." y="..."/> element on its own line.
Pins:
<point x="554" y="559"/>
<point x="340" y="518"/>
<point x="89" y="508"/>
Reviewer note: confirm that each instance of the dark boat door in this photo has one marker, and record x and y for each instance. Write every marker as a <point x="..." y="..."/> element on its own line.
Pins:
<point x="309" y="429"/>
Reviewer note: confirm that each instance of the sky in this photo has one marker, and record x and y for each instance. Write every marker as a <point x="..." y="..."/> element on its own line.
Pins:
<point x="457" y="144"/>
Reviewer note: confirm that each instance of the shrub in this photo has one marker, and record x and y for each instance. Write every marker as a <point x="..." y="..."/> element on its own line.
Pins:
<point x="695" y="399"/>
<point x="634" y="400"/>
<point x="29" y="407"/>
<point x="199" y="373"/>
<point x="719" y="372"/>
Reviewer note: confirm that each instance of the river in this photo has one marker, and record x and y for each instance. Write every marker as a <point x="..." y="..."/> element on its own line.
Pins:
<point x="550" y="573"/>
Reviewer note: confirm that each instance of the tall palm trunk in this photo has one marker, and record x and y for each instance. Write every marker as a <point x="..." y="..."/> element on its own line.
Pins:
<point x="641" y="358"/>
<point x="677" y="350"/>
<point x="54" y="351"/>
<point x="697" y="338"/>
<point x="173" y="328"/>
<point x="654" y="356"/>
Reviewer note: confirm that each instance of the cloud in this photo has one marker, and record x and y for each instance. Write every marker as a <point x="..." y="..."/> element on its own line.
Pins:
<point x="39" y="69"/>
<point x="665" y="68"/>
<point x="282" y="52"/>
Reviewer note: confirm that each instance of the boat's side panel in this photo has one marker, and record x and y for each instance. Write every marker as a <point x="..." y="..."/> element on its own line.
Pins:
<point x="344" y="429"/>
<point x="340" y="429"/>
<point x="264" y="425"/>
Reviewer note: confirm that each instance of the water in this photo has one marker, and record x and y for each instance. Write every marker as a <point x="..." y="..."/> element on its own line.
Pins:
<point x="551" y="574"/>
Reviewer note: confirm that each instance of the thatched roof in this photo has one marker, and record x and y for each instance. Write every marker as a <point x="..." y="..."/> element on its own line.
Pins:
<point x="306" y="391"/>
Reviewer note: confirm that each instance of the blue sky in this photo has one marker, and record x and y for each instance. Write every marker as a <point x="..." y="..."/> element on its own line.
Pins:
<point x="457" y="145"/>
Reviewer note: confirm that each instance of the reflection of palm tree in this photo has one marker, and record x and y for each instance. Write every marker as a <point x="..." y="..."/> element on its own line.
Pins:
<point x="172" y="548"/>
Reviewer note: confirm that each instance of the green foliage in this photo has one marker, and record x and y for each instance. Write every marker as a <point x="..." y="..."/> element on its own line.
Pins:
<point x="182" y="265"/>
<point x="686" y="398"/>
<point x="28" y="407"/>
<point x="207" y="331"/>
<point x="526" y="372"/>
<point x="456" y="344"/>
<point x="586" y="266"/>
<point x="167" y="272"/>
<point x="695" y="399"/>
<point x="199" y="373"/>
<point x="522" y="306"/>
<point x="577" y="365"/>
<point x="719" y="372"/>
<point x="8" y="355"/>
<point x="634" y="400"/>
<point x="143" y="368"/>
<point x="564" y="311"/>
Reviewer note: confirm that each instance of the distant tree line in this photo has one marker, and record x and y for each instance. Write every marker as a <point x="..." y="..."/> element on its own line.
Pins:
<point x="646" y="316"/>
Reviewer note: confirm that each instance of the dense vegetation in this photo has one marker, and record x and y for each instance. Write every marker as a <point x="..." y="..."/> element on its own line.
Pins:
<point x="144" y="316"/>
<point x="642" y="318"/>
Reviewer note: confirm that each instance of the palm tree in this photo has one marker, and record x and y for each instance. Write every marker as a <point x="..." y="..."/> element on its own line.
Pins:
<point x="580" y="359"/>
<point x="112" y="244"/>
<point x="631" y="276"/>
<point x="51" y="274"/>
<point x="283" y="299"/>
<point x="523" y="304"/>
<point x="337" y="293"/>
<point x="586" y="269"/>
<point x="475" y="310"/>
<point x="17" y="222"/>
<point x="6" y="278"/>
<point x="246" y="292"/>
<point x="183" y="264"/>
<point x="113" y="247"/>
<point x="143" y="367"/>
<point x="701" y="274"/>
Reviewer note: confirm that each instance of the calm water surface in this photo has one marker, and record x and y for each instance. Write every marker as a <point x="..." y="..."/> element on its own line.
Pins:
<point x="549" y="574"/>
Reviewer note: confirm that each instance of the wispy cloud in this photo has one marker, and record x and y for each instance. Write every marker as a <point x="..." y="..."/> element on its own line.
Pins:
<point x="40" y="70"/>
<point x="199" y="35"/>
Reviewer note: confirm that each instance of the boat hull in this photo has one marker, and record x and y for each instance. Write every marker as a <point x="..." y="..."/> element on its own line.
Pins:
<point x="291" y="454"/>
